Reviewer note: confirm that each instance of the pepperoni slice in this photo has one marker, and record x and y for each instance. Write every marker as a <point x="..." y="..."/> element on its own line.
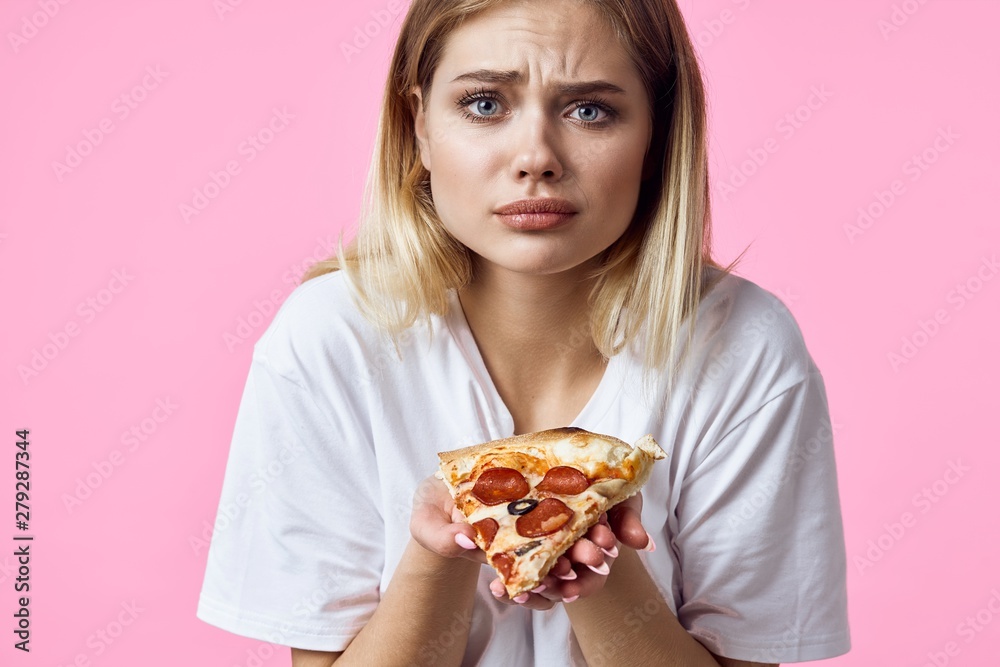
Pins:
<point x="503" y="562"/>
<point x="500" y="485"/>
<point x="550" y="515"/>
<point x="564" y="480"/>
<point x="487" y="529"/>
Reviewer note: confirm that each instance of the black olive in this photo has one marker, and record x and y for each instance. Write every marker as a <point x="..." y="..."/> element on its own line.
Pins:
<point x="525" y="548"/>
<point x="522" y="506"/>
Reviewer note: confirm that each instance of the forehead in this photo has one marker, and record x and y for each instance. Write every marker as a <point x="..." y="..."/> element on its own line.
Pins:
<point x="546" y="43"/>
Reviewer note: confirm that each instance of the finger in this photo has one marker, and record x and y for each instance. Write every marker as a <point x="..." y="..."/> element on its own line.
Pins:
<point x="498" y="590"/>
<point x="539" y="603"/>
<point x="560" y="590"/>
<point x="435" y="531"/>
<point x="535" y="600"/>
<point x="626" y="522"/>
<point x="461" y="543"/>
<point x="587" y="553"/>
<point x="585" y="585"/>
<point x="562" y="568"/>
<point x="558" y="578"/>
<point x="530" y="600"/>
<point x="433" y="491"/>
<point x="604" y="538"/>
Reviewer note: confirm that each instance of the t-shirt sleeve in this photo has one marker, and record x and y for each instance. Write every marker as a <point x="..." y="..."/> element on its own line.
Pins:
<point x="760" y="536"/>
<point x="297" y="548"/>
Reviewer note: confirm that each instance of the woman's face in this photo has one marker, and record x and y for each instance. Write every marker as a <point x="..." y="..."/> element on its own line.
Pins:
<point x="500" y="125"/>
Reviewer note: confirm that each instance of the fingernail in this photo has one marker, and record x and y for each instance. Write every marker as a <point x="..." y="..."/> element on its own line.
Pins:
<point x="496" y="594"/>
<point x="567" y="577"/>
<point x="522" y="598"/>
<point x="603" y="570"/>
<point x="651" y="546"/>
<point x="610" y="553"/>
<point x="570" y="599"/>
<point x="539" y="589"/>
<point x="464" y="542"/>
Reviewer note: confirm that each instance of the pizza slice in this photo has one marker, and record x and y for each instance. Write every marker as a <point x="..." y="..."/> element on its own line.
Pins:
<point x="530" y="497"/>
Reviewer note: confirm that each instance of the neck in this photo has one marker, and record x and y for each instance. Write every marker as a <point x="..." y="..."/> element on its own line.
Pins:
<point x="524" y="316"/>
<point x="533" y="333"/>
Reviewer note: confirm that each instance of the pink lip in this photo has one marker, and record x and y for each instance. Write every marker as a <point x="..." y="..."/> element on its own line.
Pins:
<point x="534" y="221"/>
<point x="536" y="213"/>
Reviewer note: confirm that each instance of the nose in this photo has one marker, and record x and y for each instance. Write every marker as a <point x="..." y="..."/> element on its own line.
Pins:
<point x="536" y="148"/>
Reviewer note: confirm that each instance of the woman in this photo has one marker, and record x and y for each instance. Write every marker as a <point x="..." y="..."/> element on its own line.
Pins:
<point x="534" y="254"/>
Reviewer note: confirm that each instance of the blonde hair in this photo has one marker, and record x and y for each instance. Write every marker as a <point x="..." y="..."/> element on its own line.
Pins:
<point x="402" y="262"/>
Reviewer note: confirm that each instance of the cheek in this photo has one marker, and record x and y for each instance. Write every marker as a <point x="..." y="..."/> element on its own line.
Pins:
<point x="462" y="178"/>
<point x="613" y="176"/>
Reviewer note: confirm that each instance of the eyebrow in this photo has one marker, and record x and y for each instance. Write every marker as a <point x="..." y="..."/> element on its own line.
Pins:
<point x="514" y="76"/>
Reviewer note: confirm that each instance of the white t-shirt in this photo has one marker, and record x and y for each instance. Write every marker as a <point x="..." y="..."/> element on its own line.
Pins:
<point x="334" y="432"/>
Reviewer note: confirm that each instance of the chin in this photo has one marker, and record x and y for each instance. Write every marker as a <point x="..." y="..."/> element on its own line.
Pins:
<point x="533" y="263"/>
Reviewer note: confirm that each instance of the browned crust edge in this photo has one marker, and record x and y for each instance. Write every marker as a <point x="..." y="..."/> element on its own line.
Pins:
<point x="537" y="438"/>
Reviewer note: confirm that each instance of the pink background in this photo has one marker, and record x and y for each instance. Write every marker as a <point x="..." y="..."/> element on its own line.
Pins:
<point x="165" y="292"/>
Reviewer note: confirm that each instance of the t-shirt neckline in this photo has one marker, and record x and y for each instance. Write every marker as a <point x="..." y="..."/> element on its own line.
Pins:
<point x="588" y="418"/>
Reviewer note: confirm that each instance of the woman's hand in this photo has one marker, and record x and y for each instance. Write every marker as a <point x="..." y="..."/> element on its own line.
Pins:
<point x="438" y="526"/>
<point x="583" y="569"/>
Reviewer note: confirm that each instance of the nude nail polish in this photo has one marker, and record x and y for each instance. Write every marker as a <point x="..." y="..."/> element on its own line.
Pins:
<point x="610" y="553"/>
<point x="567" y="577"/>
<point x="522" y="598"/>
<point x="651" y="546"/>
<point x="570" y="599"/>
<point x="603" y="570"/>
<point x="464" y="542"/>
<point x="540" y="589"/>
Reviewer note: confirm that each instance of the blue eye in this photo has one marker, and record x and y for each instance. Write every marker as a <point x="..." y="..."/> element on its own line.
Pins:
<point x="488" y="106"/>
<point x="595" y="108"/>
<point x="487" y="102"/>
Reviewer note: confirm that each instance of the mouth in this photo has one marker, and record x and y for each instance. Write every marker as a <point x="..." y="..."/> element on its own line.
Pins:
<point x="536" y="214"/>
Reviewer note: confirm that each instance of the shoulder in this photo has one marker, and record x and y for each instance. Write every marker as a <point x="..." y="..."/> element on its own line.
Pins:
<point x="748" y="316"/>
<point x="320" y="330"/>
<point x="747" y="334"/>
